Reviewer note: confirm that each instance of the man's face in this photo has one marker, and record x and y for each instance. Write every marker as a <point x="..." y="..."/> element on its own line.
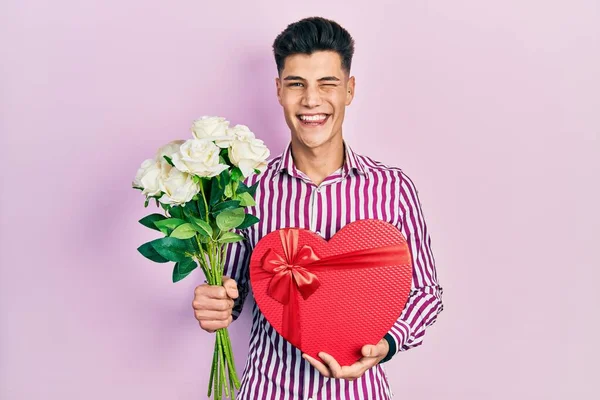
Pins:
<point x="314" y="91"/>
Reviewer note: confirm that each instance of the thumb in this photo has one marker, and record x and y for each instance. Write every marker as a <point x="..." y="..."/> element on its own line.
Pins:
<point x="370" y="351"/>
<point x="230" y="286"/>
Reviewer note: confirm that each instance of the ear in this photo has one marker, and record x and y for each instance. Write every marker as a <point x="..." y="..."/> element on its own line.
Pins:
<point x="278" y="85"/>
<point x="350" y="87"/>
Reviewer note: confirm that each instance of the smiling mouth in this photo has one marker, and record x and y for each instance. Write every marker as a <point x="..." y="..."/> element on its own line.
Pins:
<point x="313" y="120"/>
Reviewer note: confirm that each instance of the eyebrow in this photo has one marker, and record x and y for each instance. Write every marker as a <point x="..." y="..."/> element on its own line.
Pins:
<point x="299" y="78"/>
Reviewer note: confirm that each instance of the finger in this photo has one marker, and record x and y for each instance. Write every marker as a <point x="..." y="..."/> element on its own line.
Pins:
<point x="357" y="369"/>
<point x="370" y="350"/>
<point x="334" y="366"/>
<point x="351" y="373"/>
<point x="215" y="292"/>
<point x="212" y="326"/>
<point x="221" y="305"/>
<point x="230" y="286"/>
<point x="211" y="315"/>
<point x="319" y="366"/>
<point x="212" y="304"/>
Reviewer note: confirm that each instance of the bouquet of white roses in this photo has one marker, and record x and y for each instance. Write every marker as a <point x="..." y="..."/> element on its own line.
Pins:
<point x="199" y="185"/>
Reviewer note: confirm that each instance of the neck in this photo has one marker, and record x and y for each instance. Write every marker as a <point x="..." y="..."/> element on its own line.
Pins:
<point x="319" y="162"/>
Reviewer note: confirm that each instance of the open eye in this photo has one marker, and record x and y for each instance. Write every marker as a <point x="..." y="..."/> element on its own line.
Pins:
<point x="293" y="84"/>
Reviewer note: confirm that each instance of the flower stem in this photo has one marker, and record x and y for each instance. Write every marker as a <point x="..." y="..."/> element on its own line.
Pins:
<point x="231" y="385"/>
<point x="223" y="376"/>
<point x="204" y="199"/>
<point x="202" y="260"/>
<point x="212" y="370"/>
<point x="213" y="267"/>
<point x="217" y="382"/>
<point x="231" y="360"/>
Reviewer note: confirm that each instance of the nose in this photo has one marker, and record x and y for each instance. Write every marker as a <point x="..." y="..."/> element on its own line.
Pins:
<point x="311" y="97"/>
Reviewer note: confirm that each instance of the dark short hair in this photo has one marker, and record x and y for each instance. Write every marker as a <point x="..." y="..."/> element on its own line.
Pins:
<point x="313" y="34"/>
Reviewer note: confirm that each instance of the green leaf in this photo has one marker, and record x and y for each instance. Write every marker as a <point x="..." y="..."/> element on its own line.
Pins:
<point x="206" y="184"/>
<point x="148" y="251"/>
<point x="249" y="220"/>
<point x="225" y="155"/>
<point x="176" y="212"/>
<point x="201" y="208"/>
<point x="225" y="178"/>
<point x="167" y="225"/>
<point x="231" y="218"/>
<point x="148" y="221"/>
<point x="191" y="209"/>
<point x="169" y="160"/>
<point x="216" y="190"/>
<point x="215" y="228"/>
<point x="246" y="199"/>
<point x="218" y="185"/>
<point x="201" y="226"/>
<point x="236" y="174"/>
<point x="226" y="205"/>
<point x="252" y="189"/>
<point x="171" y="248"/>
<point x="228" y="191"/>
<point x="244" y="188"/>
<point x="193" y="244"/>
<point x="184" y="231"/>
<point x="183" y="269"/>
<point x="204" y="239"/>
<point x="230" y="237"/>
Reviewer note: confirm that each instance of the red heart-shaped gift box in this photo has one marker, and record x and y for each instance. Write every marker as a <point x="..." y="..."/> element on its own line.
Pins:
<point x="334" y="296"/>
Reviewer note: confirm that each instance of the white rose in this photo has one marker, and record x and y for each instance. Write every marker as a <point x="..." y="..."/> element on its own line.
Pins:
<point x="169" y="149"/>
<point x="214" y="128"/>
<point x="241" y="132"/>
<point x="178" y="188"/>
<point x="237" y="132"/>
<point x="225" y="140"/>
<point x="248" y="153"/>
<point x="148" y="177"/>
<point x="199" y="157"/>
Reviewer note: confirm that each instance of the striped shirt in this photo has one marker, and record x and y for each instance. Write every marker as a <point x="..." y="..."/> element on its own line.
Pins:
<point x="286" y="197"/>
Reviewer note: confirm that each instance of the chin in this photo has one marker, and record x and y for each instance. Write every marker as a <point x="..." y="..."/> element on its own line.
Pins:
<point x="313" y="139"/>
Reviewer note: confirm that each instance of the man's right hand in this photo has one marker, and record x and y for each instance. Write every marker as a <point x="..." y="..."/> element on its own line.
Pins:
<point x="213" y="304"/>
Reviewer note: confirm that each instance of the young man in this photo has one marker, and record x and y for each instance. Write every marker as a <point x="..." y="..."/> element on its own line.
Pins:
<point x="319" y="183"/>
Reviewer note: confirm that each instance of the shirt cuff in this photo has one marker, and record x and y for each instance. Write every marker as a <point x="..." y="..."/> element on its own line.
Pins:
<point x="392" y="350"/>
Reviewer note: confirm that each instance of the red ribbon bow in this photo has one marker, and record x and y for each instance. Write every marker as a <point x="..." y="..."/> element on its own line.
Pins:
<point x="294" y="272"/>
<point x="288" y="270"/>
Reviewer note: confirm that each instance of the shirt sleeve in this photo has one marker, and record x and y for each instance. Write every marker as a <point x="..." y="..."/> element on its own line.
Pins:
<point x="237" y="260"/>
<point x="425" y="298"/>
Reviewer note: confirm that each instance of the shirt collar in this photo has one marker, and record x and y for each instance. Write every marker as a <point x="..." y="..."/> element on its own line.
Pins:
<point x="352" y="161"/>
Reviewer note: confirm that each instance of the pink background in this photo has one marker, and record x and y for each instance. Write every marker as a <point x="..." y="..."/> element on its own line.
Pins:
<point x="493" y="108"/>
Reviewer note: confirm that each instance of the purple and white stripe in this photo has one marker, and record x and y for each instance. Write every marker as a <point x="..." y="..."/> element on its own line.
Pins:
<point x="362" y="188"/>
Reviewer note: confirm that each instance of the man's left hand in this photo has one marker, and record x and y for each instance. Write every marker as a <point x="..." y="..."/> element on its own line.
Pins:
<point x="372" y="354"/>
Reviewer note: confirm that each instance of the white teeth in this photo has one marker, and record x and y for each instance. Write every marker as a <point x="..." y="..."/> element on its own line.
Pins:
<point x="320" y="117"/>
